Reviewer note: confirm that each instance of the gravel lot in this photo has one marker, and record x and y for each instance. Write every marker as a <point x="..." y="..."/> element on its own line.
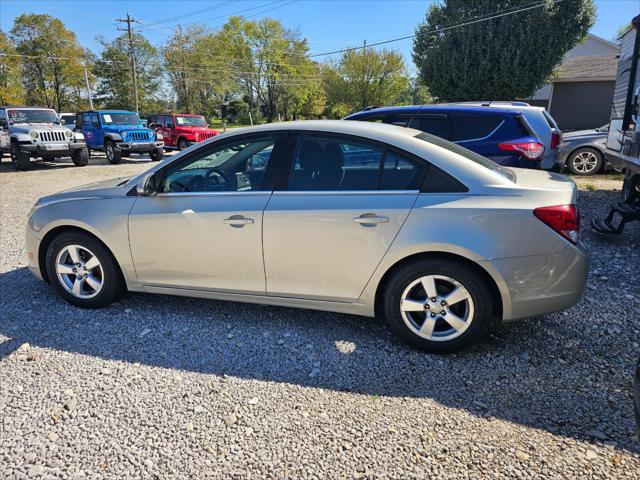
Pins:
<point x="168" y="387"/>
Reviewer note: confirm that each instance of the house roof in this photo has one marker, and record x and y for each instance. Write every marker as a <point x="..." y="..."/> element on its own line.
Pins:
<point x="587" y="69"/>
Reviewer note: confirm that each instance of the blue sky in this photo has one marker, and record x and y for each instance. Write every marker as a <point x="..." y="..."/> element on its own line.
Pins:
<point x="327" y="24"/>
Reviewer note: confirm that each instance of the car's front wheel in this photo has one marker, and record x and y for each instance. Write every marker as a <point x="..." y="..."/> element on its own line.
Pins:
<point x="21" y="160"/>
<point x="82" y="270"/>
<point x="182" y="144"/>
<point x="156" y="155"/>
<point x="438" y="305"/>
<point x="80" y="157"/>
<point x="114" y="155"/>
<point x="585" y="161"/>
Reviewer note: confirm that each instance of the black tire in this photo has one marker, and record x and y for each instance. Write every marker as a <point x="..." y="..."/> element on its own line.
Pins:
<point x="182" y="144"/>
<point x="576" y="161"/>
<point x="156" y="155"/>
<point x="21" y="160"/>
<point x="480" y="323"/>
<point x="89" y="153"/>
<point x="631" y="189"/>
<point x="113" y="283"/>
<point x="80" y="157"/>
<point x="114" y="155"/>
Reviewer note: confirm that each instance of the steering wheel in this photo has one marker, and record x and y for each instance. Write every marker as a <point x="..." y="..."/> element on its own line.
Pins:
<point x="218" y="179"/>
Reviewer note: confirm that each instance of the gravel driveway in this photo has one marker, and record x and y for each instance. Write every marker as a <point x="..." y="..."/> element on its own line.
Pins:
<point x="168" y="387"/>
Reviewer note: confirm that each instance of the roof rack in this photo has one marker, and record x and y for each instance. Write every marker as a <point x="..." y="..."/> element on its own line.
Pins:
<point x="488" y="103"/>
<point x="371" y="107"/>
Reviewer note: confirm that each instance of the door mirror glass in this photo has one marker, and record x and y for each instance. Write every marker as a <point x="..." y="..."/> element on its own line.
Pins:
<point x="148" y="186"/>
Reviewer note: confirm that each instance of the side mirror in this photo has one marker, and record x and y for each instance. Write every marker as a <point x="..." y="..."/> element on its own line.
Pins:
<point x="148" y="186"/>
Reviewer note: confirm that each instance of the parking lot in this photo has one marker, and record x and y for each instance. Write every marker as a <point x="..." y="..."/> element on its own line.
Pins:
<point x="169" y="387"/>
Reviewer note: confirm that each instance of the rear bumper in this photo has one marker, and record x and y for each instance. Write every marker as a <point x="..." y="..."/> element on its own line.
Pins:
<point x="139" y="146"/>
<point x="541" y="284"/>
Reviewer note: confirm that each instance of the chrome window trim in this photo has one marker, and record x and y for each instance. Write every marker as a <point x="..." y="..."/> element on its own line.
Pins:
<point x="482" y="138"/>
<point x="213" y="194"/>
<point x="345" y="192"/>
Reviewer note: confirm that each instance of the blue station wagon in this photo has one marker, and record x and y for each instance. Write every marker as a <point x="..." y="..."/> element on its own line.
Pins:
<point x="502" y="135"/>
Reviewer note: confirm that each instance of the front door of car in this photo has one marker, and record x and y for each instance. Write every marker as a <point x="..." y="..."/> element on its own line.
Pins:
<point x="203" y="229"/>
<point x="330" y="223"/>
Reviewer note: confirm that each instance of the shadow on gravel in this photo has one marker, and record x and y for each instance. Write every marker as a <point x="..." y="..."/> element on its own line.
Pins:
<point x="544" y="373"/>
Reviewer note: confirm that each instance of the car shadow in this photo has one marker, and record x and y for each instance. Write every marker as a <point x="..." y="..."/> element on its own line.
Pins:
<point x="536" y="372"/>
<point x="61" y="163"/>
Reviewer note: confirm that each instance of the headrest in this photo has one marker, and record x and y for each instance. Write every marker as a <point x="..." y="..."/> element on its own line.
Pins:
<point x="310" y="155"/>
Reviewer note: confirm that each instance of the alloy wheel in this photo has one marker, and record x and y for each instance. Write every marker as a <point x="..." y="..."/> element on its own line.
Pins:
<point x="109" y="152"/>
<point x="585" y="162"/>
<point x="437" y="308"/>
<point x="79" y="271"/>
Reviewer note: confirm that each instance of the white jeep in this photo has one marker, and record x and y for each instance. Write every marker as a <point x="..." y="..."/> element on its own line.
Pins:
<point x="38" y="133"/>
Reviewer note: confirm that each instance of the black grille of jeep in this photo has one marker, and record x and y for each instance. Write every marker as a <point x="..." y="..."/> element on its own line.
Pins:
<point x="52" y="136"/>
<point x="139" y="136"/>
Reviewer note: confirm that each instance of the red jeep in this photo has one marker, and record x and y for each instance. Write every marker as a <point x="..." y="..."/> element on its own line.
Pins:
<point x="181" y="130"/>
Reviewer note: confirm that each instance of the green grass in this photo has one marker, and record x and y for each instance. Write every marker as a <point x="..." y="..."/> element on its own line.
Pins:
<point x="590" y="186"/>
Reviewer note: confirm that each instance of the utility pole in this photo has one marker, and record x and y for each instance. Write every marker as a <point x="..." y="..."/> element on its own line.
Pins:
<point x="86" y="79"/>
<point x="129" y="20"/>
<point x="365" y="102"/>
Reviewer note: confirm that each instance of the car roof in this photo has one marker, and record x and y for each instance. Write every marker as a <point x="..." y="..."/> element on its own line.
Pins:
<point x="106" y="111"/>
<point x="409" y="109"/>
<point x="25" y="108"/>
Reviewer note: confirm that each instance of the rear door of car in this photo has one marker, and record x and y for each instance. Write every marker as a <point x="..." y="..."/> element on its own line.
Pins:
<point x="437" y="124"/>
<point x="337" y="207"/>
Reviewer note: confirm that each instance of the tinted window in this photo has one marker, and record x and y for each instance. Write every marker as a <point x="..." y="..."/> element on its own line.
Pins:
<point x="152" y="119"/>
<point x="328" y="163"/>
<point x="401" y="173"/>
<point x="86" y="119"/>
<point x="468" y="154"/>
<point x="434" y="124"/>
<point x="238" y="165"/>
<point x="94" y="120"/>
<point x="168" y="121"/>
<point x="79" y="120"/>
<point x="470" y="127"/>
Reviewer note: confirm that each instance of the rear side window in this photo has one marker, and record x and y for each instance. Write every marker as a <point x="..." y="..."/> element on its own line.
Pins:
<point x="79" y="120"/>
<point x="168" y="122"/>
<point x="433" y="124"/>
<point x="552" y="123"/>
<point x="475" y="127"/>
<point x="400" y="173"/>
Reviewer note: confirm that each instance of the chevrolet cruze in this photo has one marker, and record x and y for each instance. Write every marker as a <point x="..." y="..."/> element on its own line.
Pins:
<point x="343" y="216"/>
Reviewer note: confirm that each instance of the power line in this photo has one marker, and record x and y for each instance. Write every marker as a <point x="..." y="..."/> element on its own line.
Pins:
<point x="477" y="19"/>
<point x="191" y="14"/>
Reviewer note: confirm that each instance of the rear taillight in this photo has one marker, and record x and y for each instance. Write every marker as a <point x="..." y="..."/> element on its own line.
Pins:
<point x="564" y="219"/>
<point x="556" y="138"/>
<point x="529" y="150"/>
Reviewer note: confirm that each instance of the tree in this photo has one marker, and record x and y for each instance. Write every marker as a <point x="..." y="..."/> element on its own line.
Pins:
<point x="11" y="91"/>
<point x="362" y="78"/>
<point x="193" y="61"/>
<point x="52" y="63"/>
<point x="499" y="59"/>
<point x="415" y="94"/>
<point x="115" y="82"/>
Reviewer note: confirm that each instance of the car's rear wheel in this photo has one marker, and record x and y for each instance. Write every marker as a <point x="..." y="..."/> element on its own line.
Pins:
<point x="114" y="155"/>
<point x="438" y="305"/>
<point x="585" y="161"/>
<point x="21" y="160"/>
<point x="631" y="189"/>
<point x="82" y="270"/>
<point x="80" y="157"/>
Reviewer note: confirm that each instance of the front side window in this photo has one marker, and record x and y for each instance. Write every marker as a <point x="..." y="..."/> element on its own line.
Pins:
<point x="120" y="119"/>
<point x="235" y="166"/>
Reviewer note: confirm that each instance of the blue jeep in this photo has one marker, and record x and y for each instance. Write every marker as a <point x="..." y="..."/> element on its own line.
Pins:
<point x="119" y="133"/>
<point x="500" y="134"/>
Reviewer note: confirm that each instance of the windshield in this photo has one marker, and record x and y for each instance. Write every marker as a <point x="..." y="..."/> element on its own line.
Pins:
<point x="32" y="116"/>
<point x="468" y="154"/>
<point x="198" y="121"/>
<point x="120" y="119"/>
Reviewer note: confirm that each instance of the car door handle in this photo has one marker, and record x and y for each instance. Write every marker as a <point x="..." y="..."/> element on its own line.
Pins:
<point x="370" y="219"/>
<point x="238" y="221"/>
